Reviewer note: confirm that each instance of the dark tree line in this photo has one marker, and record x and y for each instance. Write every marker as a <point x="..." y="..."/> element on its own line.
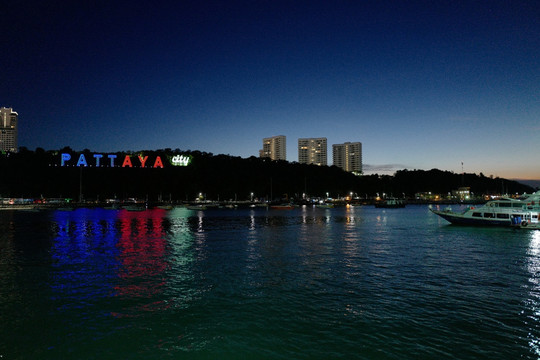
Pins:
<point x="38" y="173"/>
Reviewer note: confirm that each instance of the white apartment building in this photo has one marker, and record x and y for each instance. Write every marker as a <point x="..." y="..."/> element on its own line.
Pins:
<point x="8" y="130"/>
<point x="274" y="147"/>
<point x="312" y="151"/>
<point x="348" y="156"/>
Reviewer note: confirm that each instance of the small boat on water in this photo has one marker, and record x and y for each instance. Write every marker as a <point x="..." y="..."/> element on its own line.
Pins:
<point x="529" y="226"/>
<point x="282" y="207"/>
<point x="527" y="220"/>
<point x="196" y="207"/>
<point x="500" y="212"/>
<point x="164" y="207"/>
<point x="112" y="207"/>
<point x="28" y="209"/>
<point x="134" y="208"/>
<point x="390" y="203"/>
<point x="325" y="206"/>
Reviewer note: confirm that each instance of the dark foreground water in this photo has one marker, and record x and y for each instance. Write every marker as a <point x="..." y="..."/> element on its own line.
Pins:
<point x="360" y="283"/>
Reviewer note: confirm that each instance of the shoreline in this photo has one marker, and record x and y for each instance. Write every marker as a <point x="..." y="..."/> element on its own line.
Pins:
<point x="208" y="204"/>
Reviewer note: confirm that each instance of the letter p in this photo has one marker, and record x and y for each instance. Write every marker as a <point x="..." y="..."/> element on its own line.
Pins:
<point x="65" y="157"/>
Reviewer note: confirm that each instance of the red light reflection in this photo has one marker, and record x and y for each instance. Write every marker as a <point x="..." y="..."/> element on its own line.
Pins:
<point x="142" y="249"/>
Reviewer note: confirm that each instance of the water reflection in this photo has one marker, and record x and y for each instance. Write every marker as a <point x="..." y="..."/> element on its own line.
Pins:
<point x="8" y="255"/>
<point x="101" y="253"/>
<point x="186" y="251"/>
<point x="84" y="256"/>
<point x="533" y="302"/>
<point x="142" y="248"/>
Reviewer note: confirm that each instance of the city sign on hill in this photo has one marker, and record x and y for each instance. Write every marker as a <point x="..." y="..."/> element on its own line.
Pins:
<point x="110" y="160"/>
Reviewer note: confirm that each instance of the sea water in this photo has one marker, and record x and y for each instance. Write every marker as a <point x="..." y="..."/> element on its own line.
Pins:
<point x="308" y="283"/>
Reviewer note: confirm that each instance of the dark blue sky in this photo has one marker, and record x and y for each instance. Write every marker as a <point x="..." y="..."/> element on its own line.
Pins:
<point x="422" y="84"/>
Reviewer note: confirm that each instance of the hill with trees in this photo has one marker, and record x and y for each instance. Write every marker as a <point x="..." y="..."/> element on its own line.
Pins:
<point x="34" y="174"/>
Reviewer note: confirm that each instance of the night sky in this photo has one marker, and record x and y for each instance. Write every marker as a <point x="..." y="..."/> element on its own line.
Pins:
<point x="422" y="84"/>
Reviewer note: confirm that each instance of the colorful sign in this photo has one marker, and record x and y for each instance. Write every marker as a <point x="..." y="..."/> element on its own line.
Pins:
<point x="110" y="160"/>
<point x="181" y="160"/>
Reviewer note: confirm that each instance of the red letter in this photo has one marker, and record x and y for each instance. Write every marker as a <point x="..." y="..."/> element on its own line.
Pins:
<point x="143" y="161"/>
<point x="158" y="163"/>
<point x="127" y="162"/>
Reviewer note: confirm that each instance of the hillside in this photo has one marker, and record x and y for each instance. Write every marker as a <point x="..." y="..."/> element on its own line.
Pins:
<point x="38" y="173"/>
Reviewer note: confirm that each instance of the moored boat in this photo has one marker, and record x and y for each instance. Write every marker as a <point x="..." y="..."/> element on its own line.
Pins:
<point x="196" y="207"/>
<point x="390" y="203"/>
<point x="165" y="207"/>
<point x="134" y="207"/>
<point x="529" y="226"/>
<point x="500" y="212"/>
<point x="325" y="206"/>
<point x="282" y="207"/>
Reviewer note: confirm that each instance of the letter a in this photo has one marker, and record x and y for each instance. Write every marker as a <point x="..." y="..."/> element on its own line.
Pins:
<point x="82" y="161"/>
<point x="158" y="163"/>
<point x="143" y="161"/>
<point x="127" y="162"/>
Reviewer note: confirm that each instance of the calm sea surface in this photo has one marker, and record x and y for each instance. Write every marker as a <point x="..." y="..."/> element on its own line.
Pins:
<point x="308" y="283"/>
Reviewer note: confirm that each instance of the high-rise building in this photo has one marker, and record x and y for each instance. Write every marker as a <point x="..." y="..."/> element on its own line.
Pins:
<point x="274" y="147"/>
<point x="348" y="156"/>
<point x="312" y="151"/>
<point x="8" y="130"/>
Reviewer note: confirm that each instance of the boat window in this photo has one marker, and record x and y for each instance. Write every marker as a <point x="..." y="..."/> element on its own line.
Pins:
<point x="535" y="216"/>
<point x="477" y="214"/>
<point x="489" y="215"/>
<point x="517" y="205"/>
<point x="505" y="204"/>
<point x="503" y="216"/>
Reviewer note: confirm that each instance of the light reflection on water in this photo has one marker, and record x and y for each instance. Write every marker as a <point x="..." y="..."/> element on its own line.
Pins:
<point x="304" y="283"/>
<point x="533" y="265"/>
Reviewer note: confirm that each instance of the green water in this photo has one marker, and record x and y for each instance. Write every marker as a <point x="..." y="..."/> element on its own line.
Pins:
<point x="307" y="283"/>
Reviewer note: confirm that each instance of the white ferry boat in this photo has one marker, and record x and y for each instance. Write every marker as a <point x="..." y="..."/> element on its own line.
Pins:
<point x="500" y="212"/>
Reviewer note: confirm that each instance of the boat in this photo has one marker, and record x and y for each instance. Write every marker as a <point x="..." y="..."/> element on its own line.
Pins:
<point x="529" y="226"/>
<point x="325" y="206"/>
<point x="390" y="203"/>
<point x="134" y="207"/>
<point x="282" y="207"/>
<point x="112" y="207"/>
<point x="196" y="207"/>
<point x="165" y="207"/>
<point x="499" y="212"/>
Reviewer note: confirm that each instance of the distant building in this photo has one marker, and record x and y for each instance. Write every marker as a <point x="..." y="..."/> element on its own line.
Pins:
<point x="274" y="148"/>
<point x="462" y="193"/>
<point x="348" y="156"/>
<point x="8" y="130"/>
<point x="312" y="151"/>
<point x="427" y="196"/>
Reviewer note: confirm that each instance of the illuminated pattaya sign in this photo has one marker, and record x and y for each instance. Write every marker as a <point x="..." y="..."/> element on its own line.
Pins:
<point x="112" y="160"/>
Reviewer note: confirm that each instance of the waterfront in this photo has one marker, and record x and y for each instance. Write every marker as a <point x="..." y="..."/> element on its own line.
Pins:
<point x="355" y="282"/>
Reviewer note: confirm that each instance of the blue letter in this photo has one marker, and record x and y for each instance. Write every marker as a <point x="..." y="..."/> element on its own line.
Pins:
<point x="97" y="157"/>
<point x="82" y="161"/>
<point x="65" y="157"/>
<point x="112" y="157"/>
